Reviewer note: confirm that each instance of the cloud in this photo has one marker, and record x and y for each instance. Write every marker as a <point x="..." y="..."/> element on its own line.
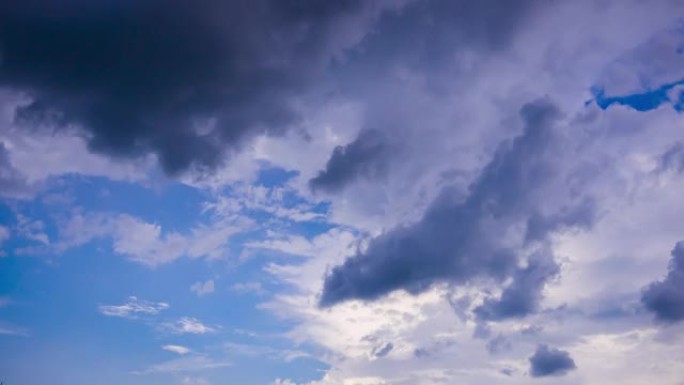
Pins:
<point x="383" y="350"/>
<point x="133" y="308"/>
<point x="219" y="74"/>
<point x="365" y="157"/>
<point x="187" y="364"/>
<point x="548" y="361"/>
<point x="4" y="234"/>
<point x="203" y="288"/>
<point x="187" y="325"/>
<point x="10" y="330"/>
<point x="12" y="182"/>
<point x="178" y="349"/>
<point x="458" y="240"/>
<point x="665" y="298"/>
<point x="144" y="242"/>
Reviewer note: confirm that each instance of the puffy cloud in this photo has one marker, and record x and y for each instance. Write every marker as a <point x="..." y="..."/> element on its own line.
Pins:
<point x="665" y="298"/>
<point x="547" y="361"/>
<point x="133" y="308"/>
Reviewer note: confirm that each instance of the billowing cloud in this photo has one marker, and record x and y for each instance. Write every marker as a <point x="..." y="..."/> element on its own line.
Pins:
<point x="458" y="240"/>
<point x="665" y="298"/>
<point x="547" y="361"/>
<point x="183" y="80"/>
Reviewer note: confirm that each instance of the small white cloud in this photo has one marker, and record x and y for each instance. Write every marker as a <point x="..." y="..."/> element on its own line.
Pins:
<point x="133" y="308"/>
<point x="178" y="349"/>
<point x="280" y="381"/>
<point x="188" y="325"/>
<point x="203" y="288"/>
<point x="248" y="287"/>
<point x="13" y="331"/>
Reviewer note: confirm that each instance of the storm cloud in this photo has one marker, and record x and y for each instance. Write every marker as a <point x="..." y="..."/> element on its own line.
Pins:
<point x="547" y="361"/>
<point x="365" y="157"/>
<point x="458" y="241"/>
<point x="184" y="80"/>
<point x="665" y="298"/>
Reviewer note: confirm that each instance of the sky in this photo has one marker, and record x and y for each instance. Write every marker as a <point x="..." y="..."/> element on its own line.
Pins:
<point x="353" y="192"/>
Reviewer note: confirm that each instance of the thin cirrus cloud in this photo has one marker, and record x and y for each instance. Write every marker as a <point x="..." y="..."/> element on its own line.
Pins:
<point x="133" y="309"/>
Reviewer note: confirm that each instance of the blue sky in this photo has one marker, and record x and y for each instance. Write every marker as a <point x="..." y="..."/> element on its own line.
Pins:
<point x="386" y="192"/>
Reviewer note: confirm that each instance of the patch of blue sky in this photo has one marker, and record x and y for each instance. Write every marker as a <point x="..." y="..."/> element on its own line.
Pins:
<point x="649" y="99"/>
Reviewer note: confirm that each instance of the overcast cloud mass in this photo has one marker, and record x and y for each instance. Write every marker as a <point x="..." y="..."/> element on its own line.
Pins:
<point x="312" y="192"/>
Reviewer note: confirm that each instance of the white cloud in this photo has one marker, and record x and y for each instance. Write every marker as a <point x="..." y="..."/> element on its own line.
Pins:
<point x="146" y="243"/>
<point x="248" y="287"/>
<point x="10" y="330"/>
<point x="178" y="349"/>
<point x="187" y="325"/>
<point x="133" y="308"/>
<point x="203" y="288"/>
<point x="187" y="364"/>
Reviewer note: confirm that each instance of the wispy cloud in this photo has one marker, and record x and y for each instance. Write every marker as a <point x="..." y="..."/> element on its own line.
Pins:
<point x="10" y="330"/>
<point x="178" y="349"/>
<point x="186" y="364"/>
<point x="203" y="288"/>
<point x="187" y="325"/>
<point x="133" y="308"/>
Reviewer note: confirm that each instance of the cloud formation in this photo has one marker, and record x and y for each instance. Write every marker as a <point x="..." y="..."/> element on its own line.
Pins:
<point x="457" y="240"/>
<point x="547" y="361"/>
<point x="365" y="157"/>
<point x="186" y="81"/>
<point x="665" y="298"/>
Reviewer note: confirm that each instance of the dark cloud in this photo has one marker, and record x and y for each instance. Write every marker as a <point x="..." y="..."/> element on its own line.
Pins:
<point x="458" y="241"/>
<point x="665" y="298"/>
<point x="365" y="157"/>
<point x="523" y="295"/>
<point x="182" y="79"/>
<point x="548" y="361"/>
<point x="383" y="350"/>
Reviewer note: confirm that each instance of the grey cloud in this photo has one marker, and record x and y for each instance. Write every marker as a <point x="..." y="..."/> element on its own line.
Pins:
<point x="185" y="80"/>
<point x="673" y="158"/>
<point x="548" y="361"/>
<point x="383" y="350"/>
<point x="12" y="182"/>
<point x="365" y="157"/>
<point x="498" y="344"/>
<point x="524" y="294"/>
<point x="458" y="241"/>
<point x="665" y="298"/>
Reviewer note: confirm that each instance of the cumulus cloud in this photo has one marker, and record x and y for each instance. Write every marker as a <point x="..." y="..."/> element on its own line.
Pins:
<point x="665" y="298"/>
<point x="458" y="240"/>
<point x="547" y="361"/>
<point x="133" y="308"/>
